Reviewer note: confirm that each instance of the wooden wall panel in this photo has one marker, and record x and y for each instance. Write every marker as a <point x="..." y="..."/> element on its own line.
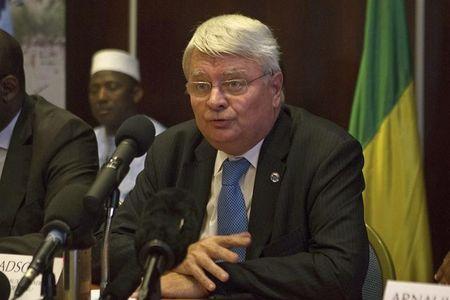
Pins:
<point x="90" y="26"/>
<point x="321" y="47"/>
<point x="437" y="124"/>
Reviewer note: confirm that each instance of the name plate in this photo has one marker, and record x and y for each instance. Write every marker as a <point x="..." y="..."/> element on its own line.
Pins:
<point x="14" y="266"/>
<point x="401" y="290"/>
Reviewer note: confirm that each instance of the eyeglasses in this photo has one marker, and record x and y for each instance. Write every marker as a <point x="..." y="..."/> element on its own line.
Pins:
<point x="234" y="87"/>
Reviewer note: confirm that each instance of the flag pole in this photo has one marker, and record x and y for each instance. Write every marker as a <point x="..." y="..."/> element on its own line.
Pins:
<point x="132" y="27"/>
<point x="419" y="68"/>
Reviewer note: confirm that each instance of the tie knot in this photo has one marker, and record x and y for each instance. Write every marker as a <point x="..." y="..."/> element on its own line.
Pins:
<point x="232" y="170"/>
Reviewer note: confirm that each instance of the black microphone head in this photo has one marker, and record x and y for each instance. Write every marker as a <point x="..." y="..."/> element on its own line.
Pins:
<point x="138" y="128"/>
<point x="66" y="213"/>
<point x="169" y="216"/>
<point x="5" y="287"/>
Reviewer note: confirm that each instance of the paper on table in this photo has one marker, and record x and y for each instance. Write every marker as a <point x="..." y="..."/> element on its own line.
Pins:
<point x="14" y="266"/>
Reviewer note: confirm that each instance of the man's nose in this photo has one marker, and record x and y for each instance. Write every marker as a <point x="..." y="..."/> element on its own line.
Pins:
<point x="102" y="93"/>
<point x="217" y="98"/>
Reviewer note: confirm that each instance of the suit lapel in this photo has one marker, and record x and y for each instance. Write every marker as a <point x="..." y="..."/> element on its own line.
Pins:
<point x="269" y="176"/>
<point x="15" y="175"/>
<point x="196" y="177"/>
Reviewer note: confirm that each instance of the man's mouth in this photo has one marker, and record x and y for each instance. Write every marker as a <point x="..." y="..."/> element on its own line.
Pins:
<point x="103" y="111"/>
<point x="220" y="123"/>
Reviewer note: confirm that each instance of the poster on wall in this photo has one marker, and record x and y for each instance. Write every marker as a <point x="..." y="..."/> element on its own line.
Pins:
<point x="39" y="26"/>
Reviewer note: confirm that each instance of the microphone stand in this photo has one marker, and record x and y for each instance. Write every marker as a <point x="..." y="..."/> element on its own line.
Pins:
<point x="159" y="259"/>
<point x="151" y="284"/>
<point x="111" y="205"/>
<point x="48" y="284"/>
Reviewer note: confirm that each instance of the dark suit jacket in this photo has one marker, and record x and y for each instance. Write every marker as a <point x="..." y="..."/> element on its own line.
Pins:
<point x="49" y="149"/>
<point x="308" y="233"/>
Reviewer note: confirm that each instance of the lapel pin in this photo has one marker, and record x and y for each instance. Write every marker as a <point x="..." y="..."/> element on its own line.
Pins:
<point x="274" y="177"/>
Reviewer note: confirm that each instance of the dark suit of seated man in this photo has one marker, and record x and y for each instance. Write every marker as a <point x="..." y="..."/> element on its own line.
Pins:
<point x="305" y="236"/>
<point x="43" y="148"/>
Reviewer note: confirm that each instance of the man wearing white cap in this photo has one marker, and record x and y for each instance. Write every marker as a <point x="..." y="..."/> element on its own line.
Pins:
<point x="114" y="92"/>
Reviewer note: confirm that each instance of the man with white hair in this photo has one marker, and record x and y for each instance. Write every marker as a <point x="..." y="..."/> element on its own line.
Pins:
<point x="114" y="92"/>
<point x="278" y="190"/>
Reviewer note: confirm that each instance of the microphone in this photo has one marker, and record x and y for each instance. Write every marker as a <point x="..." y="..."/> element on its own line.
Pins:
<point x="167" y="226"/>
<point x="5" y="287"/>
<point x="66" y="224"/>
<point x="133" y="139"/>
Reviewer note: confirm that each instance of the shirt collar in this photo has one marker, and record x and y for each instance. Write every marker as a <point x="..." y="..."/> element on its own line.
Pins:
<point x="6" y="133"/>
<point x="251" y="155"/>
<point x="103" y="136"/>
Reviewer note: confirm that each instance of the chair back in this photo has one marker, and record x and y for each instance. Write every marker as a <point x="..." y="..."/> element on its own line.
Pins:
<point x="380" y="267"/>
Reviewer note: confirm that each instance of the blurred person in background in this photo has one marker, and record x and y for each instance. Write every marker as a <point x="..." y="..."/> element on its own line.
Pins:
<point x="114" y="94"/>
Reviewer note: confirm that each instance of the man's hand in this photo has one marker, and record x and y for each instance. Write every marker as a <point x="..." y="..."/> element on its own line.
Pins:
<point x="174" y="285"/>
<point x="203" y="254"/>
<point x="443" y="273"/>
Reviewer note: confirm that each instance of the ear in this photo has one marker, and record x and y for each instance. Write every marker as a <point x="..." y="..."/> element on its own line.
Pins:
<point x="276" y="86"/>
<point x="9" y="88"/>
<point x="138" y="93"/>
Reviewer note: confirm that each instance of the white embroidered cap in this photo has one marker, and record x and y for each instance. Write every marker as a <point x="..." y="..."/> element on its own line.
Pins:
<point x="115" y="60"/>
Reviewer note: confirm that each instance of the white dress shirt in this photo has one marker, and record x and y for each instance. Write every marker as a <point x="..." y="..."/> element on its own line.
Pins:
<point x="247" y="183"/>
<point x="5" y="139"/>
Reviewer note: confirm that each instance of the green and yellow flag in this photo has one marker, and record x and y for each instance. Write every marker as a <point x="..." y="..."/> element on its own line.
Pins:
<point x="384" y="120"/>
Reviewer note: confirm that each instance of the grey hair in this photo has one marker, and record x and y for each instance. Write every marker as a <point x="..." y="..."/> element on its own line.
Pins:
<point x="236" y="35"/>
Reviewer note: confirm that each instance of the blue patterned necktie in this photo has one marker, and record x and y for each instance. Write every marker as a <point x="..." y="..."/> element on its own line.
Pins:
<point x="231" y="212"/>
